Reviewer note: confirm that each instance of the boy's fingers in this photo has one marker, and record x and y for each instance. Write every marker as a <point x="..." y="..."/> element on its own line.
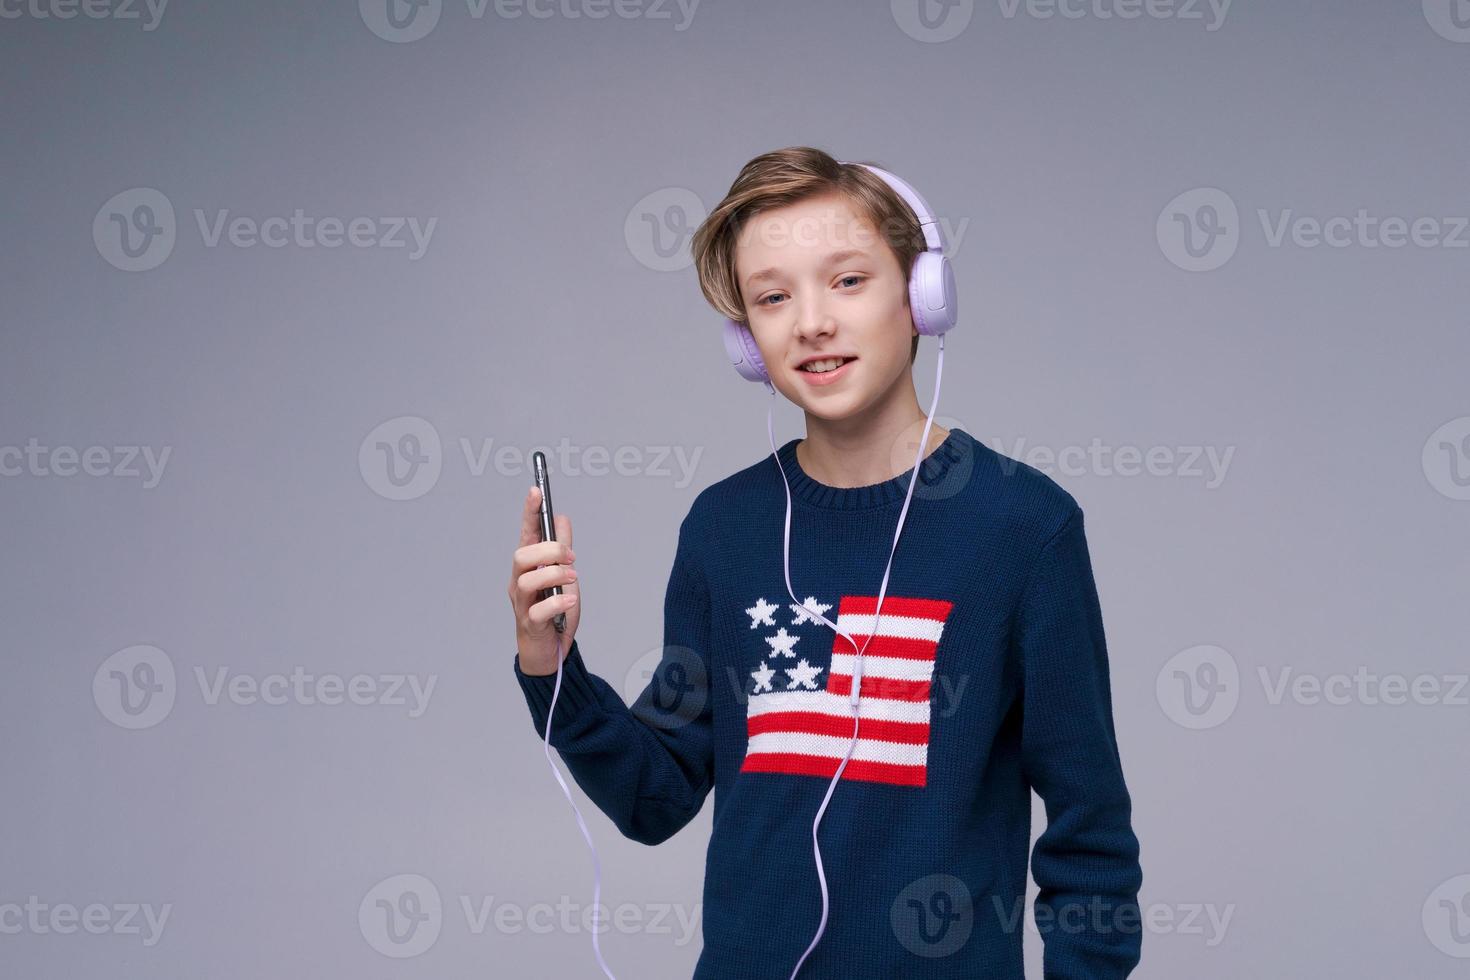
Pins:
<point x="531" y="531"/>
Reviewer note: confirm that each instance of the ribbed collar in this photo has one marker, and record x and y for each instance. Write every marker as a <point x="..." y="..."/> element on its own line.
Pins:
<point x="931" y="470"/>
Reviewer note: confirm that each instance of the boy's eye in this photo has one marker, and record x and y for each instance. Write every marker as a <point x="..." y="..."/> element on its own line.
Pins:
<point x="765" y="300"/>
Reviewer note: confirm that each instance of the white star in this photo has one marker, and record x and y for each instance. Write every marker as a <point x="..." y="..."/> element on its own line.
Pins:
<point x="761" y="613"/>
<point x="803" y="674"/>
<point x="762" y="678"/>
<point x="782" y="643"/>
<point x="804" y="611"/>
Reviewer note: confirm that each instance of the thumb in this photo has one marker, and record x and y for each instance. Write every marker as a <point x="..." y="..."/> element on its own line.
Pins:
<point x="564" y="529"/>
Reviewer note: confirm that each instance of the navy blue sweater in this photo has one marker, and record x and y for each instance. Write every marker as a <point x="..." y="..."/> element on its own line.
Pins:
<point x="986" y="676"/>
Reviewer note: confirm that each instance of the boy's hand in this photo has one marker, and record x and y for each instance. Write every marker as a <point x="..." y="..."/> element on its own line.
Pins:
<point x="536" y="637"/>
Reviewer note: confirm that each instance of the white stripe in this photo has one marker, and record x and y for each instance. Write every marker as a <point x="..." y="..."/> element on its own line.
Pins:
<point x="834" y="747"/>
<point x="838" y="705"/>
<point x="909" y="627"/>
<point x="892" y="668"/>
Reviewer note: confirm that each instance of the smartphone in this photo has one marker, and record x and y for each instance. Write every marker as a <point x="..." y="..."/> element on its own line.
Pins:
<point x="548" y="526"/>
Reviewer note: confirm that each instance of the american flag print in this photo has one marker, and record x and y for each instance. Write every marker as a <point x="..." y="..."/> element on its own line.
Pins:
<point x="798" y="712"/>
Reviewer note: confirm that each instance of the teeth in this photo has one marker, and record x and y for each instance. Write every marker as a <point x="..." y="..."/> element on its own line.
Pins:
<point x="818" y="367"/>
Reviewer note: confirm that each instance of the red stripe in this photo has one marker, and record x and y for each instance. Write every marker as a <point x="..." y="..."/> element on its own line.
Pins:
<point x="881" y="687"/>
<point x="896" y="606"/>
<point x="816" y="723"/>
<point x="815" y="765"/>
<point x="906" y="648"/>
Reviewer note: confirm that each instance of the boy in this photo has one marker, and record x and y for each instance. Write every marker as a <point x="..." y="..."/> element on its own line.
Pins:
<point x="984" y="676"/>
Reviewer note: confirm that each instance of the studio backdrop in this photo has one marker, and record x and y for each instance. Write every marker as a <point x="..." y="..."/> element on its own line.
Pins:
<point x="291" y="292"/>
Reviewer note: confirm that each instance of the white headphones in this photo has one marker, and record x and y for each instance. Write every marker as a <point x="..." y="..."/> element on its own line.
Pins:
<point x="931" y="287"/>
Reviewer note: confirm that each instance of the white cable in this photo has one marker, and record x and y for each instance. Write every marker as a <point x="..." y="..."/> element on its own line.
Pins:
<point x="596" y="865"/>
<point x="857" y="668"/>
<point x="854" y="695"/>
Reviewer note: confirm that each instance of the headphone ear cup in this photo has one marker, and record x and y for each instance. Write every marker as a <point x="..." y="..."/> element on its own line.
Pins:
<point x="932" y="299"/>
<point x="744" y="354"/>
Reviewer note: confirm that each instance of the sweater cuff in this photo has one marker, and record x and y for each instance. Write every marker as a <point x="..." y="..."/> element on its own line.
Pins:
<point x="577" y="695"/>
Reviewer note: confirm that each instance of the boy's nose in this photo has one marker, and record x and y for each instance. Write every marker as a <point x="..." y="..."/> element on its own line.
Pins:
<point x="814" y="321"/>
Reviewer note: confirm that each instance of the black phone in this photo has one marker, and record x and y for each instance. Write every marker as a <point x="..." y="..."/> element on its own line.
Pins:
<point x="548" y="526"/>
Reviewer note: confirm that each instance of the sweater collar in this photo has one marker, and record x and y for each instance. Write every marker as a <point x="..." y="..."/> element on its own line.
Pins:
<point x="931" y="470"/>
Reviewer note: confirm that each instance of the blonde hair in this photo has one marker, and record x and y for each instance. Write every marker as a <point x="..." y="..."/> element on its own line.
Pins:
<point x="786" y="176"/>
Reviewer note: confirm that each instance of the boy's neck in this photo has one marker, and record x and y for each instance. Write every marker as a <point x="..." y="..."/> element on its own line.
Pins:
<point x="871" y="447"/>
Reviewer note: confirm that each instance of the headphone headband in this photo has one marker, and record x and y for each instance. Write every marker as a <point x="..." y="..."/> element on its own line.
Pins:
<point x="933" y="237"/>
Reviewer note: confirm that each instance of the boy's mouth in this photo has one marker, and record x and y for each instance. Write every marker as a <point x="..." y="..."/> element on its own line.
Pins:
<point x="824" y="365"/>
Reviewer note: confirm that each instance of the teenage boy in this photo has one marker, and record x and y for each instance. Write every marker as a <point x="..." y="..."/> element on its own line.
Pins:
<point x="984" y="676"/>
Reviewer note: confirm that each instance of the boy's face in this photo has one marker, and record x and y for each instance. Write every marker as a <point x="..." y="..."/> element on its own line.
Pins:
<point x="816" y="278"/>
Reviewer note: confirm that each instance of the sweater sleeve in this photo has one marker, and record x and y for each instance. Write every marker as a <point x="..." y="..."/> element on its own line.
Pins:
<point x="648" y="766"/>
<point x="1086" y="862"/>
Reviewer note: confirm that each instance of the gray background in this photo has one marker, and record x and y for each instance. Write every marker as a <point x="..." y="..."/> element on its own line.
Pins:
<point x="545" y="148"/>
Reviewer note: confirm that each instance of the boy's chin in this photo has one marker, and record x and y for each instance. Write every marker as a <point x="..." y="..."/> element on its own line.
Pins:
<point x="833" y="408"/>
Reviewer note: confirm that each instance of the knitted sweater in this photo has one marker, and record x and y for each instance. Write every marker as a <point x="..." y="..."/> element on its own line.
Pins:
<point x="986" y="677"/>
